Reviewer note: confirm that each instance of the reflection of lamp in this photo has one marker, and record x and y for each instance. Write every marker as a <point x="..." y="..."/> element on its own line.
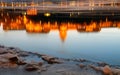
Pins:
<point x="25" y="20"/>
<point x="32" y="27"/>
<point x="63" y="32"/>
<point x="37" y="28"/>
<point x="63" y="35"/>
<point x="46" y="27"/>
<point x="1" y="24"/>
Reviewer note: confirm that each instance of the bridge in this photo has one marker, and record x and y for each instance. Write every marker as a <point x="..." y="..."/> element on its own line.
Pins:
<point x="33" y="8"/>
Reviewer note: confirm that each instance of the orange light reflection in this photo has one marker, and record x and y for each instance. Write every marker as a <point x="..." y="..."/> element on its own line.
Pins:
<point x="23" y="23"/>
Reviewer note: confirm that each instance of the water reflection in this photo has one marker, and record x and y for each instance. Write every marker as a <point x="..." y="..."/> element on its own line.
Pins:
<point x="67" y="39"/>
<point x="24" y="23"/>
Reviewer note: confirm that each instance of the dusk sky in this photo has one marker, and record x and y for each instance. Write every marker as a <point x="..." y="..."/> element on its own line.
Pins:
<point x="56" y="0"/>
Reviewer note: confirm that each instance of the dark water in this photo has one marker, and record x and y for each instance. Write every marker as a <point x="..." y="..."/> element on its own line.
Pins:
<point x="96" y="39"/>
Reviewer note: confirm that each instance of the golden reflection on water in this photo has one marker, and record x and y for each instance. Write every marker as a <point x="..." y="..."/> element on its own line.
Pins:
<point x="23" y="23"/>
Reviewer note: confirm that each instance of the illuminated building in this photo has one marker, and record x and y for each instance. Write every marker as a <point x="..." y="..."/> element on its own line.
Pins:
<point x="32" y="11"/>
<point x="24" y="23"/>
<point x="118" y="24"/>
<point x="58" y="3"/>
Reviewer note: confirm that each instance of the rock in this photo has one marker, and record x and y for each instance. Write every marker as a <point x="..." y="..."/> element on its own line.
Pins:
<point x="47" y="58"/>
<point x="11" y="51"/>
<point x="40" y="63"/>
<point x="95" y="68"/>
<point x="16" y="50"/>
<point x="102" y="64"/>
<point x="107" y="70"/>
<point x="33" y="66"/>
<point x="116" y="71"/>
<point x="11" y="47"/>
<point x="3" y="60"/>
<point x="1" y="46"/>
<point x="8" y="65"/>
<point x="55" y="61"/>
<point x="23" y="54"/>
<point x="10" y="57"/>
<point x="8" y="60"/>
<point x="12" y="65"/>
<point x="14" y="59"/>
<point x="83" y="60"/>
<point x="50" y="59"/>
<point x="82" y="65"/>
<point x="21" y="62"/>
<point x="3" y="51"/>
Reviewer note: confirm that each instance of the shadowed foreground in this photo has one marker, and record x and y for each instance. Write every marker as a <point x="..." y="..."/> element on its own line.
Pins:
<point x="14" y="61"/>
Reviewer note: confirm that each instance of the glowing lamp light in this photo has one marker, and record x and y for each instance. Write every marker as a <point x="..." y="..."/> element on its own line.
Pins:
<point x="47" y="14"/>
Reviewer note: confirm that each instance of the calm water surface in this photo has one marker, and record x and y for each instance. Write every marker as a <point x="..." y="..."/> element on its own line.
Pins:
<point x="97" y="42"/>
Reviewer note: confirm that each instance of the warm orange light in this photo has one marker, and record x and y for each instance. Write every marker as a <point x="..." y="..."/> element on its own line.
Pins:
<point x="22" y="22"/>
<point x="33" y="27"/>
<point x="118" y="24"/>
<point x="1" y="24"/>
<point x="63" y="35"/>
<point x="32" y="11"/>
<point x="89" y="28"/>
<point x="63" y="32"/>
<point x="46" y="27"/>
<point x="37" y="28"/>
<point x="106" y="24"/>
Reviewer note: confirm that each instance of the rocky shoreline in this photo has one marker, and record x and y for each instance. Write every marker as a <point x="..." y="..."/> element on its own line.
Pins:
<point x="14" y="61"/>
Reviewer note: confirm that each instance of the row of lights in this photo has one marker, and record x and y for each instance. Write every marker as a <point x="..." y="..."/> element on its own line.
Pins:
<point x="72" y="3"/>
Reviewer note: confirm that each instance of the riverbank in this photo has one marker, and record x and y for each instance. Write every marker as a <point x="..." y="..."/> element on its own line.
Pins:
<point x="14" y="61"/>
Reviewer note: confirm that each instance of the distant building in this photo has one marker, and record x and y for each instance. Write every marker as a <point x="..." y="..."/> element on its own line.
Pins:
<point x="60" y="3"/>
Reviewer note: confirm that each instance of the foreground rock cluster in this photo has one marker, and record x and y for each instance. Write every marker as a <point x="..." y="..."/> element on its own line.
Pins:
<point x="11" y="57"/>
